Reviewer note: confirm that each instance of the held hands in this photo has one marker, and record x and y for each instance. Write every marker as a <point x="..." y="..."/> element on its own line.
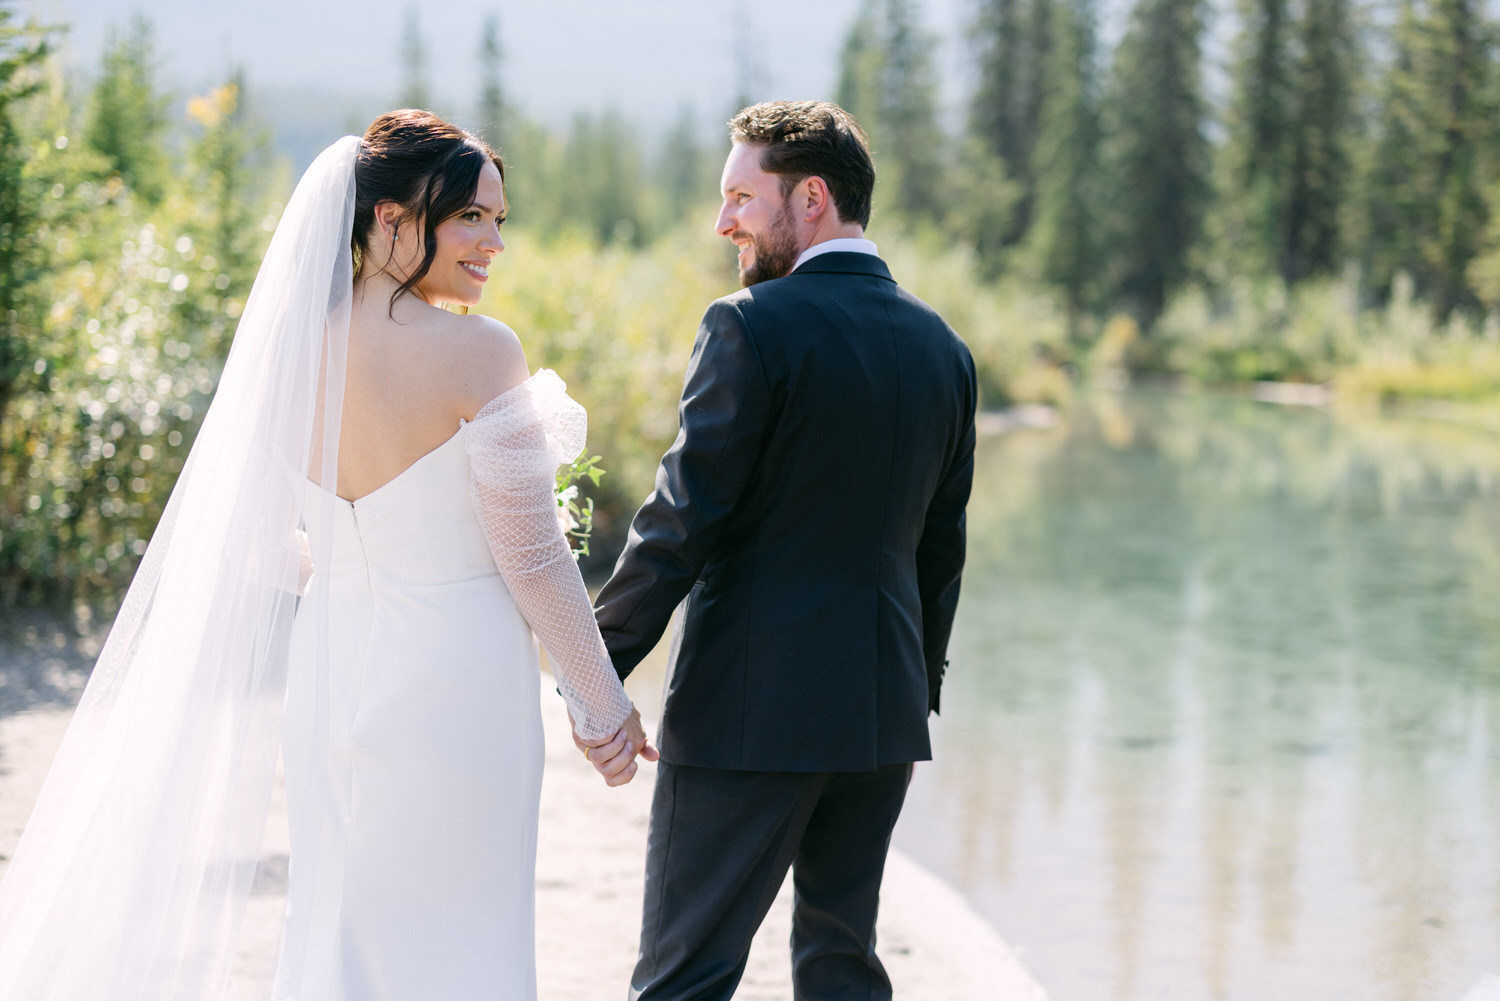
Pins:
<point x="615" y="758"/>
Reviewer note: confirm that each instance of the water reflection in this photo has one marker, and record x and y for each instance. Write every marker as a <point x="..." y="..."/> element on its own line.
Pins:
<point x="1224" y="717"/>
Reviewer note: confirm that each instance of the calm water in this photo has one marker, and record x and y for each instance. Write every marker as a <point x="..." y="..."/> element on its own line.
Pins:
<point x="1223" y="719"/>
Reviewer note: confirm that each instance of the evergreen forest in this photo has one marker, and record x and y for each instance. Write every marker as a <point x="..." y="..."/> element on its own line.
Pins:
<point x="1326" y="213"/>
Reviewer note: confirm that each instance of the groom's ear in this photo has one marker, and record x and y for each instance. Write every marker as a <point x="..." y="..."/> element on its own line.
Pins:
<point x="817" y="200"/>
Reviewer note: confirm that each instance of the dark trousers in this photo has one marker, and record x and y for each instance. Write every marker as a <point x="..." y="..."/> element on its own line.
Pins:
<point x="719" y="848"/>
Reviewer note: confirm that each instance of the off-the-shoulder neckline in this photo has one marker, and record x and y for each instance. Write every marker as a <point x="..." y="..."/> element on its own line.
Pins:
<point x="525" y="383"/>
<point x="462" y="423"/>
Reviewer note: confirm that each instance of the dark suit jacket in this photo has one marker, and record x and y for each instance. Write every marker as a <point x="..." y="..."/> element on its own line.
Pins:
<point x="811" y="511"/>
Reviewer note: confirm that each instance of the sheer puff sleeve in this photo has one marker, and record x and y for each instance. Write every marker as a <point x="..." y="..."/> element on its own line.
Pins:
<point x="515" y="444"/>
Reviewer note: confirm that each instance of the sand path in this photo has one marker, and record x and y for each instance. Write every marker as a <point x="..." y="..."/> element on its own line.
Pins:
<point x="589" y="865"/>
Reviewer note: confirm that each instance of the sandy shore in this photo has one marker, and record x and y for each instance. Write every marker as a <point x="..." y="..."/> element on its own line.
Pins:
<point x="590" y="862"/>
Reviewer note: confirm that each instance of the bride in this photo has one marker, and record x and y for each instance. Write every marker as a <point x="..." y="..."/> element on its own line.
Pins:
<point x="353" y="570"/>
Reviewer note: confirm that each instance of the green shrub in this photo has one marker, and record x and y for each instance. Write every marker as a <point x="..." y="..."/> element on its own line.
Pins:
<point x="127" y="324"/>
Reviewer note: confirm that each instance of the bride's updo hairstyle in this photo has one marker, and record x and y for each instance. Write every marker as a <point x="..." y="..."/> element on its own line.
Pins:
<point x="427" y="166"/>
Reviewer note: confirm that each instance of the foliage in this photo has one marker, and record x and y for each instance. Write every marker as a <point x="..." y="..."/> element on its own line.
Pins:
<point x="1408" y="354"/>
<point x="127" y="323"/>
<point x="1259" y="123"/>
<point x="1346" y="139"/>
<point x="684" y="174"/>
<point x="1067" y="197"/>
<point x="1350" y="243"/>
<point x="22" y="50"/>
<point x="1015" y="41"/>
<point x="888" y="81"/>
<point x="222" y="207"/>
<point x="1317" y="333"/>
<point x="128" y="115"/>
<point x="1157" y="155"/>
<point x="1393" y="210"/>
<point x="1458" y="48"/>
<point x="983" y="208"/>
<point x="1291" y="132"/>
<point x="577" y="515"/>
<point x="1258" y="331"/>
<point x="493" y="120"/>
<point x="1433" y="163"/>
<point x="591" y="180"/>
<point x="1322" y="131"/>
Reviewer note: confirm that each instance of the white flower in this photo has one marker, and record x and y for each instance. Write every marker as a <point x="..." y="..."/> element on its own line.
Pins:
<point x="565" y="519"/>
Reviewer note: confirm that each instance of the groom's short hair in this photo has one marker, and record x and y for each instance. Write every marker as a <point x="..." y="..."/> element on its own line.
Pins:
<point x="800" y="139"/>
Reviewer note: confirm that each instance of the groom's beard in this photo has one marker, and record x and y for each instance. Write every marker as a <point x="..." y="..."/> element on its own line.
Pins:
<point x="775" y="250"/>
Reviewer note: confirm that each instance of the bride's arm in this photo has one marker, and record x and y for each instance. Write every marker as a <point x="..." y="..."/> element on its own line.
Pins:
<point x="515" y="445"/>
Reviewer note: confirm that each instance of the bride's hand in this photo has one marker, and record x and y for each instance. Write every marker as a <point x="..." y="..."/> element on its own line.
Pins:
<point x="615" y="758"/>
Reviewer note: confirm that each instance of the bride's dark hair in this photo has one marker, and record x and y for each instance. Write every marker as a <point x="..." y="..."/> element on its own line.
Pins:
<point x="427" y="166"/>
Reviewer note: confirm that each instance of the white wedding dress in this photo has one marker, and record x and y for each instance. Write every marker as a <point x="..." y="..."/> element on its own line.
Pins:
<point x="400" y="689"/>
<point x="414" y="821"/>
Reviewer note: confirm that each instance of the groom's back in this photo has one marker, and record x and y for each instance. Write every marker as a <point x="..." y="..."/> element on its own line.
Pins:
<point x="807" y="638"/>
<point x="873" y="390"/>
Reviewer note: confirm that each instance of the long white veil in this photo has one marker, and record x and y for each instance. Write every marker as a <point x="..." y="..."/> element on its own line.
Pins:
<point x="131" y="879"/>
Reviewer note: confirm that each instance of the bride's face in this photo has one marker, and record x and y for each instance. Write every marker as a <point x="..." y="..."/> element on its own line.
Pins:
<point x="466" y="241"/>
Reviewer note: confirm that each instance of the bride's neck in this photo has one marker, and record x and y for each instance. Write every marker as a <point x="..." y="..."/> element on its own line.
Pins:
<point x="379" y="286"/>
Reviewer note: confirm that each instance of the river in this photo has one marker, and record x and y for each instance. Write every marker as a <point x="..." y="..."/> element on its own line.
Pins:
<point x="1223" y="717"/>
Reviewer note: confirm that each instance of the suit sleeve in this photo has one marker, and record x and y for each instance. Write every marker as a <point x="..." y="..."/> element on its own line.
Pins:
<point x="722" y="420"/>
<point x="940" y="553"/>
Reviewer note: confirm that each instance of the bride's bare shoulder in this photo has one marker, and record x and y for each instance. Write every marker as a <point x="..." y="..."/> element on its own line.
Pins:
<point x="485" y="360"/>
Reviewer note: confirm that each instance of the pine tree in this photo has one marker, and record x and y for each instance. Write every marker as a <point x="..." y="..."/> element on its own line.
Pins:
<point x="1065" y="231"/>
<point x="491" y="96"/>
<point x="1393" y="214"/>
<point x="860" y="65"/>
<point x="22" y="49"/>
<point x="1259" y="130"/>
<point x="414" y="93"/>
<point x="1485" y="271"/>
<point x="1015" y="41"/>
<point x="908" y="114"/>
<point x="888" y="82"/>
<point x="602" y="178"/>
<point x="997" y="113"/>
<point x="225" y="158"/>
<point x="1459" y="53"/>
<point x="683" y="173"/>
<point x="1424" y="207"/>
<point x="127" y="116"/>
<point x="1318" y="169"/>
<point x="1038" y="55"/>
<point x="1157" y="160"/>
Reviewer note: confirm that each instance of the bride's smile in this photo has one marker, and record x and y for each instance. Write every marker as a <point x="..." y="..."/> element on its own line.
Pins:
<point x="466" y="243"/>
<point x="463" y="244"/>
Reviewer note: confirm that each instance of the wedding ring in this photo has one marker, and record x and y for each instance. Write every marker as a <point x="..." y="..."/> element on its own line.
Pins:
<point x="586" y="749"/>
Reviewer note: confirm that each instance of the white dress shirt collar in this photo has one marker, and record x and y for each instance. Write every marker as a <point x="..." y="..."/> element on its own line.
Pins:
<point x="839" y="245"/>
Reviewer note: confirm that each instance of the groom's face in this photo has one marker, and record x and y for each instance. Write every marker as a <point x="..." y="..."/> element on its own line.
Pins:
<point x="757" y="217"/>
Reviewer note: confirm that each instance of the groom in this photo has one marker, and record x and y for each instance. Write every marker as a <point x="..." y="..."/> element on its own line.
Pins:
<point x="811" y="514"/>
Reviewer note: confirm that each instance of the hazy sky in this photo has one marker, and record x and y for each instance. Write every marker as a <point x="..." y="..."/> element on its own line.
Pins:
<point x="337" y="61"/>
